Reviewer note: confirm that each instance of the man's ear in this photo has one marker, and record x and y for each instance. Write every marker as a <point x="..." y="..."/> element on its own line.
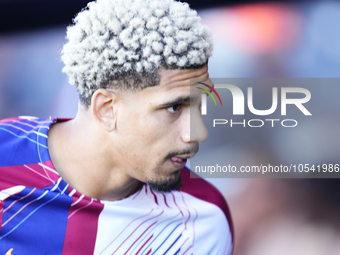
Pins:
<point x="103" y="108"/>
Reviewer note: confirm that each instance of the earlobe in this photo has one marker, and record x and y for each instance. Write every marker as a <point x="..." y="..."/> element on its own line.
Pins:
<point x="103" y="108"/>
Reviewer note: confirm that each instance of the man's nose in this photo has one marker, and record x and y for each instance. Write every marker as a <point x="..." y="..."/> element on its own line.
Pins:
<point x="196" y="132"/>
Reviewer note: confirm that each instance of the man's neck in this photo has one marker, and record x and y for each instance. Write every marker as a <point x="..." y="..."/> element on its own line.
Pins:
<point x="79" y="154"/>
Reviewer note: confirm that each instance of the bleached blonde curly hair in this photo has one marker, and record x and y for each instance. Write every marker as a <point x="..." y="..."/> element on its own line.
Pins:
<point x="126" y="43"/>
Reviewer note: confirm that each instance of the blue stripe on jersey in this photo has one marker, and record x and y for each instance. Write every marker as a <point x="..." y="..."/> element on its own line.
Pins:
<point x="38" y="220"/>
<point x="167" y="239"/>
<point x="173" y="244"/>
<point x="145" y="249"/>
<point x="151" y="230"/>
<point x="178" y="251"/>
<point x="20" y="137"/>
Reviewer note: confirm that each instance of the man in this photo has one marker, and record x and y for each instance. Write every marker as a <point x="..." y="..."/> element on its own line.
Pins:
<point x="113" y="179"/>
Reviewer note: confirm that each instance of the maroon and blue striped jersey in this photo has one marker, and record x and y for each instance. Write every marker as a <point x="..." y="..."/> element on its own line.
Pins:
<point x="41" y="214"/>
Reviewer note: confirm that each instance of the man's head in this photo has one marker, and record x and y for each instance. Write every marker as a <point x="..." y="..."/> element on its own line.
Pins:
<point x="131" y="62"/>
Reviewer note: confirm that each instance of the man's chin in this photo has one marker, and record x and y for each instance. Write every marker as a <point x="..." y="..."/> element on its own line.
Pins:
<point x="174" y="183"/>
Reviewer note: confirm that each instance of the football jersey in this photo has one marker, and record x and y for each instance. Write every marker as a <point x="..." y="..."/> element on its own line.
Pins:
<point x="42" y="214"/>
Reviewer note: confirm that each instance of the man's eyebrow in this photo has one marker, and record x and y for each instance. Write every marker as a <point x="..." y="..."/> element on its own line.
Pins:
<point x="179" y="100"/>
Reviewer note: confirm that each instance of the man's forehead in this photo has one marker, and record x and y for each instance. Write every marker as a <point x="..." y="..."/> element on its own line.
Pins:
<point x="171" y="79"/>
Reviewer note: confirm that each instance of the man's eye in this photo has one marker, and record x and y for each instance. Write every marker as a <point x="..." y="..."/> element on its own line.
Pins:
<point x="175" y="108"/>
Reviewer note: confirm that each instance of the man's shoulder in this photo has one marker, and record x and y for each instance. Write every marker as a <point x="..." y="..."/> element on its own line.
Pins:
<point x="24" y="157"/>
<point x="21" y="140"/>
<point x="213" y="213"/>
<point x="203" y="190"/>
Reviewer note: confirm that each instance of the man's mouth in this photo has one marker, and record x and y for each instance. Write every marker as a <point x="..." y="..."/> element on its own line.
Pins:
<point x="179" y="158"/>
<point x="178" y="162"/>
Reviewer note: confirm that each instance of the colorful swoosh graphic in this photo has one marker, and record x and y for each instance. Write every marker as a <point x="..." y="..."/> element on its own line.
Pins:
<point x="9" y="252"/>
<point x="210" y="87"/>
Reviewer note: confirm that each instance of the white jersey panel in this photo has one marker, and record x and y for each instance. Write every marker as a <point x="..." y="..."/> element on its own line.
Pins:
<point x="162" y="223"/>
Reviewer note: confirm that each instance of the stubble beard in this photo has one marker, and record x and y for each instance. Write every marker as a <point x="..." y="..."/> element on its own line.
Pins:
<point x="172" y="183"/>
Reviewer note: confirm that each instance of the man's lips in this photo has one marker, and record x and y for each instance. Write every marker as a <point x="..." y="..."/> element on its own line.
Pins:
<point x="180" y="161"/>
<point x="181" y="158"/>
<point x="177" y="159"/>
